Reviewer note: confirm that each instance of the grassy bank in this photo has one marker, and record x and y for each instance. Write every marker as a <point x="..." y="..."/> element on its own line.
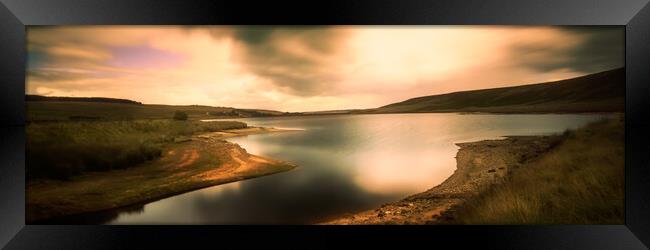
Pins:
<point x="203" y="161"/>
<point x="572" y="178"/>
<point x="579" y="182"/>
<point x="61" y="150"/>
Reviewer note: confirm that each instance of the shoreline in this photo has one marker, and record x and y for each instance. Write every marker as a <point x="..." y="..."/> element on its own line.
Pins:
<point x="480" y="165"/>
<point x="205" y="160"/>
<point x="460" y="112"/>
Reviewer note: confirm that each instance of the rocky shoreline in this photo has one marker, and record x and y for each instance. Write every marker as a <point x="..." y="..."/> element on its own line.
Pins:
<point x="479" y="166"/>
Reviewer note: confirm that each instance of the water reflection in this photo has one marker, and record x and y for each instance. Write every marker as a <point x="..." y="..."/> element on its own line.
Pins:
<point x="347" y="164"/>
<point x="406" y="170"/>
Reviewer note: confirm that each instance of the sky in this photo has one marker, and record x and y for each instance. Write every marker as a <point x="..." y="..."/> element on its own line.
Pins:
<point x="307" y="68"/>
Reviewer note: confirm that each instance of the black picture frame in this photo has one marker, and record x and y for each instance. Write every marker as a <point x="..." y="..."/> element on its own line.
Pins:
<point x="16" y="14"/>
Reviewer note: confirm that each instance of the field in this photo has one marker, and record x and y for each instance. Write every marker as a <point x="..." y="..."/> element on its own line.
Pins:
<point x="579" y="182"/>
<point x="105" y="111"/>
<point x="63" y="149"/>
<point x="201" y="161"/>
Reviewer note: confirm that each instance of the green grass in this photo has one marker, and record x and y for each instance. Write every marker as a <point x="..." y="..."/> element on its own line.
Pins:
<point x="63" y="149"/>
<point x="579" y="182"/>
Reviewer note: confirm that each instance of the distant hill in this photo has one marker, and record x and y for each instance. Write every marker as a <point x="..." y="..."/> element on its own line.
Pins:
<point x="42" y="108"/>
<point x="40" y="98"/>
<point x="599" y="92"/>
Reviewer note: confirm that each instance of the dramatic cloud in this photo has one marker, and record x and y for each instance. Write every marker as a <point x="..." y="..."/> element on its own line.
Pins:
<point x="297" y="59"/>
<point x="300" y="68"/>
<point x="602" y="49"/>
<point x="599" y="48"/>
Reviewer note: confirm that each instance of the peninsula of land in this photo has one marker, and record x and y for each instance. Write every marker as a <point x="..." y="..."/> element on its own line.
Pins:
<point x="197" y="162"/>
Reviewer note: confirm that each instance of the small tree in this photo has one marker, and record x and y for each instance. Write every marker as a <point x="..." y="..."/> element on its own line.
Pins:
<point x="180" y="115"/>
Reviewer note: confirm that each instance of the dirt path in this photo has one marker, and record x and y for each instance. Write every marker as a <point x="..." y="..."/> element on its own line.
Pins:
<point x="188" y="158"/>
<point x="479" y="165"/>
<point x="205" y="160"/>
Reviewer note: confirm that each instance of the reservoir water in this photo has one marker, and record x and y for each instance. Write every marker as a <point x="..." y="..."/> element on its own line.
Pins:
<point x="347" y="164"/>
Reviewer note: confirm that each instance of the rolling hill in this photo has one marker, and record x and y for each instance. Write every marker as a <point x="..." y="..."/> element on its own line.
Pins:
<point x="45" y="108"/>
<point x="40" y="98"/>
<point x="599" y="92"/>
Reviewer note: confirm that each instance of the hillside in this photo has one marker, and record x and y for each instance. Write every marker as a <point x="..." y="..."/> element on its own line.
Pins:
<point x="40" y="98"/>
<point x="599" y="92"/>
<point x="55" y="109"/>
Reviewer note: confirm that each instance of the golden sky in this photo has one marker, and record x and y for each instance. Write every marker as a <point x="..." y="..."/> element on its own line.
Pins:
<point x="307" y="68"/>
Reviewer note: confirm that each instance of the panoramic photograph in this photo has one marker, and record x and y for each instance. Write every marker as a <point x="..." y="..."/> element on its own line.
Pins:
<point x="325" y="125"/>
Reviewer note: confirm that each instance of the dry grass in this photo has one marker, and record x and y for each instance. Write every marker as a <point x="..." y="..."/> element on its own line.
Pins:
<point x="183" y="167"/>
<point x="61" y="150"/>
<point x="579" y="182"/>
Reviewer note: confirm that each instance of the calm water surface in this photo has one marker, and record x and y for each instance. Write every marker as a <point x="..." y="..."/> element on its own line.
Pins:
<point x="347" y="163"/>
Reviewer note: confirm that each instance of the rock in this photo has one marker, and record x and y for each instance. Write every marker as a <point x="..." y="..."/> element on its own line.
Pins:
<point x="381" y="214"/>
<point x="491" y="171"/>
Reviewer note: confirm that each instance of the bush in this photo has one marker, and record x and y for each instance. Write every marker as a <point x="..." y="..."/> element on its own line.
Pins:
<point x="181" y="116"/>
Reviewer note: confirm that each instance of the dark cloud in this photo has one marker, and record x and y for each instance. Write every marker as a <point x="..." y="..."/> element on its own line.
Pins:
<point x="57" y="75"/>
<point x="36" y="59"/>
<point x="602" y="48"/>
<point x="254" y="35"/>
<point x="49" y="75"/>
<point x="265" y="52"/>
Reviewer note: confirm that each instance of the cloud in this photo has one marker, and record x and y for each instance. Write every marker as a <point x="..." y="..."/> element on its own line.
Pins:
<point x="597" y="49"/>
<point x="304" y="68"/>
<point x="296" y="59"/>
<point x="603" y="49"/>
<point x="403" y="61"/>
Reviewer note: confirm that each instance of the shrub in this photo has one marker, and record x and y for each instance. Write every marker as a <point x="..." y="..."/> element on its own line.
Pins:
<point x="180" y="115"/>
